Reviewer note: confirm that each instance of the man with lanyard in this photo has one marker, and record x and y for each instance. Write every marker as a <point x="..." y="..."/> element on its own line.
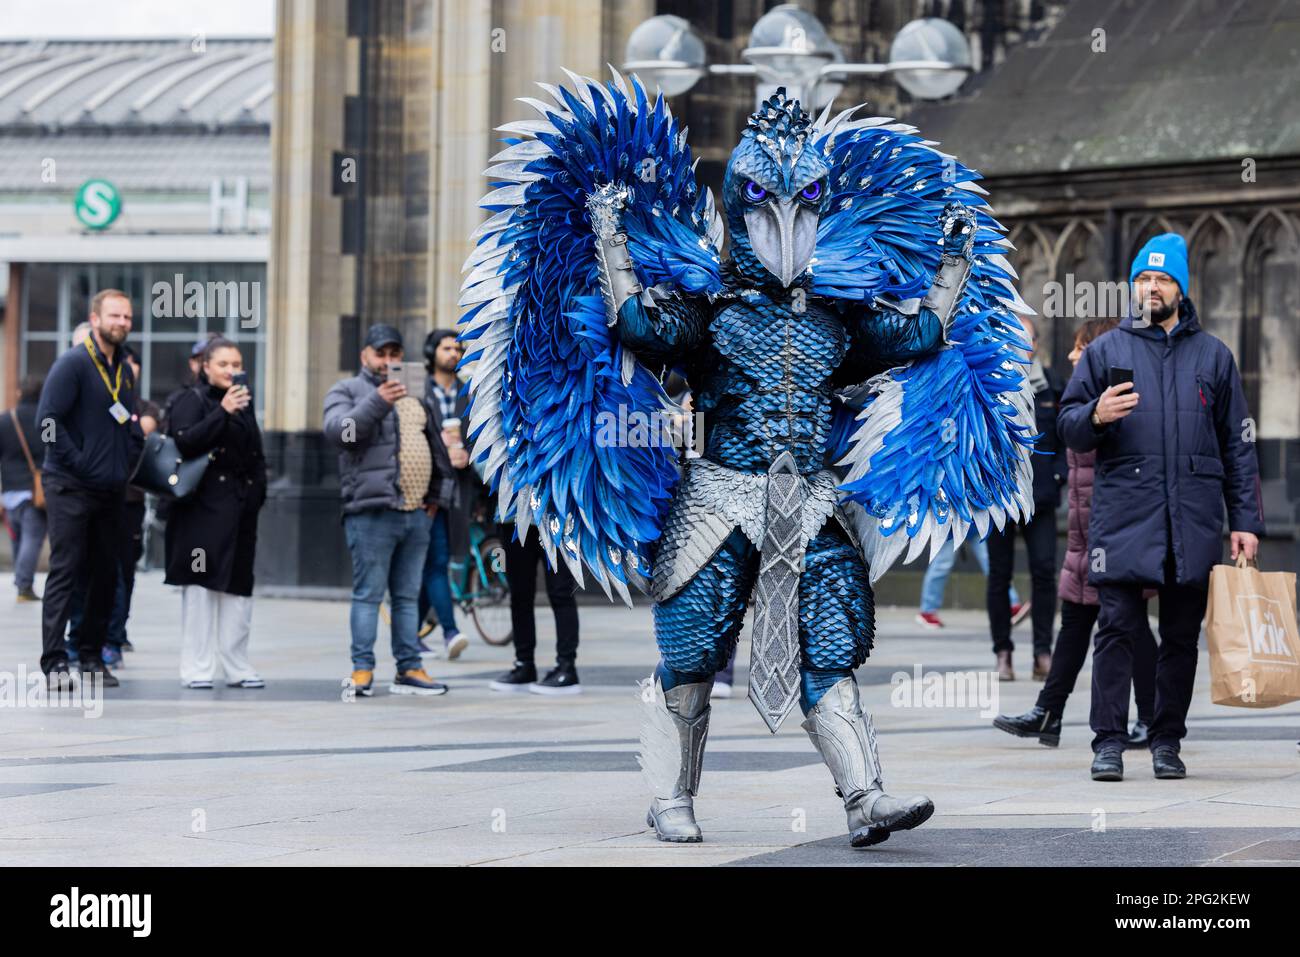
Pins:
<point x="92" y="444"/>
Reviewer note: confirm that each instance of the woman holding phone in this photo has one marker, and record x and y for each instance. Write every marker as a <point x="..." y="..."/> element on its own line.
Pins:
<point x="212" y="534"/>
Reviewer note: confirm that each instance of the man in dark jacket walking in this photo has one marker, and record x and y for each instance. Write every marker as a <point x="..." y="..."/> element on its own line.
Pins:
<point x="95" y="441"/>
<point x="394" y="475"/>
<point x="1039" y="533"/>
<point x="1173" y="443"/>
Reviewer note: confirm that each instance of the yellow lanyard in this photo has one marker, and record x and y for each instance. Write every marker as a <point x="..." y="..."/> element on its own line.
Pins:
<point x="113" y="390"/>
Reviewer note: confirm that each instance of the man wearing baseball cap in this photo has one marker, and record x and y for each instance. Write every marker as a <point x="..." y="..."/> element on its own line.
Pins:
<point x="394" y="475"/>
<point x="1161" y="402"/>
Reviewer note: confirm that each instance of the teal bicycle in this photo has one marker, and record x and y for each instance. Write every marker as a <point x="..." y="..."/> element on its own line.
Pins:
<point x="479" y="587"/>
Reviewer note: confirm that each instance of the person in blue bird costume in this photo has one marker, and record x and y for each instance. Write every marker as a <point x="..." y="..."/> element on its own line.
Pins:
<point x="856" y="362"/>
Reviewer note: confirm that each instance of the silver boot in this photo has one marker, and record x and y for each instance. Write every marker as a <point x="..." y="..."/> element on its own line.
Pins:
<point x="844" y="737"/>
<point x="672" y="756"/>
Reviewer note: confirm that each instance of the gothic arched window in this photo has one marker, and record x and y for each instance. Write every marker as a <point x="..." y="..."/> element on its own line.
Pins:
<point x="1270" y="348"/>
<point x="1216" y="279"/>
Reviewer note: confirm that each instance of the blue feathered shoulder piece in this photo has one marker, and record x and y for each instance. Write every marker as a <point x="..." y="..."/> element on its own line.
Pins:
<point x="941" y="444"/>
<point x="550" y="378"/>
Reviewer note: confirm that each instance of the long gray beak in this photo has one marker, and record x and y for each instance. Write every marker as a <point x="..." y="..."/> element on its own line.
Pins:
<point x="783" y="234"/>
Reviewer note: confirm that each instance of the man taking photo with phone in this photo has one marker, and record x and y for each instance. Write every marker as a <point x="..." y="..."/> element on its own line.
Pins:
<point x="1161" y="402"/>
<point x="394" y="475"/>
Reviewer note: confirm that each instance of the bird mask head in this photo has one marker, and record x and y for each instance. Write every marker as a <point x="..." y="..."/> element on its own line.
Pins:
<point x="775" y="191"/>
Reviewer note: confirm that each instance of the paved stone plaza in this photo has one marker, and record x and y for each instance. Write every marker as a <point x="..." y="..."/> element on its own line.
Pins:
<point x="293" y="774"/>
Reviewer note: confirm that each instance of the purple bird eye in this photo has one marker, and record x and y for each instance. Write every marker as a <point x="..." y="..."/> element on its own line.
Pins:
<point x="812" y="192"/>
<point x="753" y="192"/>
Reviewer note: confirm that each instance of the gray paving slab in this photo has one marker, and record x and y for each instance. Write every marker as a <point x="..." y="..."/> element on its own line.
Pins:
<point x="1037" y="847"/>
<point x="295" y="774"/>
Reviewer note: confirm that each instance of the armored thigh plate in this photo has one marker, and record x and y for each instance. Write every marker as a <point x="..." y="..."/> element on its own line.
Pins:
<point x="714" y="500"/>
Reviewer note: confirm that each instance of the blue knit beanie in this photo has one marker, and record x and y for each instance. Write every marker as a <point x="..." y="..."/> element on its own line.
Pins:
<point x="1166" y="253"/>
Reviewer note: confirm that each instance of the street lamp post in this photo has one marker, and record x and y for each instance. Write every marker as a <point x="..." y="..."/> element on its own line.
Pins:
<point x="789" y="47"/>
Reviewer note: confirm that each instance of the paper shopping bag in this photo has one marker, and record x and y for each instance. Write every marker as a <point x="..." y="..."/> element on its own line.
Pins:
<point x="1250" y="621"/>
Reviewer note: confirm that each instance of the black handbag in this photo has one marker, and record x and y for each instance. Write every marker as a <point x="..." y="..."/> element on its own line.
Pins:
<point x="164" y="472"/>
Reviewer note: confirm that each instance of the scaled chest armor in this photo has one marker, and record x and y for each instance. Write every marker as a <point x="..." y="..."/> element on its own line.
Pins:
<point x="769" y="388"/>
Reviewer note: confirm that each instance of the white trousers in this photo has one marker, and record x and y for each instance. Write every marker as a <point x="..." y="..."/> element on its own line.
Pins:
<point x="214" y="626"/>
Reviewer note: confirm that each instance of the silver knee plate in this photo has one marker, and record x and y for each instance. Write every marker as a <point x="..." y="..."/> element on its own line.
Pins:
<point x="673" y="733"/>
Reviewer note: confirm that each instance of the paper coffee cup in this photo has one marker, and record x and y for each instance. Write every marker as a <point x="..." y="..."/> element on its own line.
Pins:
<point x="452" y="425"/>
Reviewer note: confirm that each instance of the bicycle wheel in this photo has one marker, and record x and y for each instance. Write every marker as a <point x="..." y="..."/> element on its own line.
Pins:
<point x="487" y="599"/>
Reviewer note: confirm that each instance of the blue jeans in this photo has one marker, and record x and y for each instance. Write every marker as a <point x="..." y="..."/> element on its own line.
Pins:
<point x="28" y="523"/>
<point x="437" y="586"/>
<point x="388" y="549"/>
<point x="936" y="576"/>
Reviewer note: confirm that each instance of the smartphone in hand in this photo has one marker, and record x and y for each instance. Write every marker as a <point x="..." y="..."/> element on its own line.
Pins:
<point x="1117" y="375"/>
<point x="411" y="375"/>
<point x="239" y="378"/>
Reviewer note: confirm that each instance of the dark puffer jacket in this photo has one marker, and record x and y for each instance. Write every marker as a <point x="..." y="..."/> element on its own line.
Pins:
<point x="1074" y="570"/>
<point x="363" y="427"/>
<point x="1074" y="584"/>
<point x="1165" y="472"/>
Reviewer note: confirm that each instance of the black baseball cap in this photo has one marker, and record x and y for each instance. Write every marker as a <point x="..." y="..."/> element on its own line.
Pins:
<point x="383" y="335"/>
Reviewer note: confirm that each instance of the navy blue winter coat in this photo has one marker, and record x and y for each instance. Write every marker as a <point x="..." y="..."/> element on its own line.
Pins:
<point x="1167" y="468"/>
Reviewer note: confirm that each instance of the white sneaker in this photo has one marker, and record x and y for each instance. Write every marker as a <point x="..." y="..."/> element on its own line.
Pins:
<point x="454" y="647"/>
<point x="201" y="684"/>
<point x="253" y="682"/>
<point x="721" y="690"/>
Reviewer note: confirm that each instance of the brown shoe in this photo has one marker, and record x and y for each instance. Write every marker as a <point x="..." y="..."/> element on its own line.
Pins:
<point x="1004" y="667"/>
<point x="1042" y="665"/>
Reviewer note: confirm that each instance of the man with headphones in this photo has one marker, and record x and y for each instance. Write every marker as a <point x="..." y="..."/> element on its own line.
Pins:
<point x="449" y="533"/>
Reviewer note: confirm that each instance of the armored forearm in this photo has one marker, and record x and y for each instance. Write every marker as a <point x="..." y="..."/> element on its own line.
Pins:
<point x="940" y="301"/>
<point x="659" y="332"/>
<point x="618" y="282"/>
<point x="897" y="330"/>
<point x="958" y="225"/>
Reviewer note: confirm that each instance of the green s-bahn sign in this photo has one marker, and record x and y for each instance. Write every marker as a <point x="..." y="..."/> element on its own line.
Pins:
<point x="98" y="203"/>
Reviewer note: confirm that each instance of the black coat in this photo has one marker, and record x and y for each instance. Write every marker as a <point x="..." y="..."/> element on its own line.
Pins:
<point x="1050" y="467"/>
<point x="15" y="474"/>
<point x="1164" y="471"/>
<point x="220" y="517"/>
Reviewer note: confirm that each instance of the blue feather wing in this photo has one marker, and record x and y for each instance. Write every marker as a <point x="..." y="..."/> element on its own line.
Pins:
<point x="550" y="379"/>
<point x="941" y="444"/>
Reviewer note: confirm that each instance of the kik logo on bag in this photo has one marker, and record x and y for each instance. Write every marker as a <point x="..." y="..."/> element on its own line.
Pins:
<point x="1265" y="631"/>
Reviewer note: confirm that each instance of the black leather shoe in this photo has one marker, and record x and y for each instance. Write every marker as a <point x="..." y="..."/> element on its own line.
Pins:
<point x="59" y="678"/>
<point x="1034" y="723"/>
<point x="106" y="678"/>
<point x="1167" y="764"/>
<point x="1108" y="764"/>
<point x="518" y="679"/>
<point x="1139" y="736"/>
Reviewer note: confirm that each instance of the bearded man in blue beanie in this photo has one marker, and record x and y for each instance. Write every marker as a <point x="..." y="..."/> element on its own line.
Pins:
<point x="1161" y="402"/>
